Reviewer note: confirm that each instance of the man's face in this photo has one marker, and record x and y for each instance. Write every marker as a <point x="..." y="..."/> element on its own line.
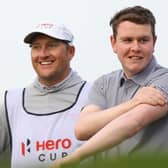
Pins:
<point x="51" y="59"/>
<point x="134" y="46"/>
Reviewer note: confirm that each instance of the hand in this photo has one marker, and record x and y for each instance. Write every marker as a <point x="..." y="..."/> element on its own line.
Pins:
<point x="56" y="164"/>
<point x="150" y="95"/>
<point x="68" y="161"/>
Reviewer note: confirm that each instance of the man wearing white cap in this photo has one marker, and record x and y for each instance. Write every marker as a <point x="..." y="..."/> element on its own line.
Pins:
<point x="38" y="121"/>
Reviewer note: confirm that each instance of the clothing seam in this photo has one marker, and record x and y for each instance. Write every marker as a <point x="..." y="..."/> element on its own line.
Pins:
<point x="7" y="118"/>
<point x="55" y="112"/>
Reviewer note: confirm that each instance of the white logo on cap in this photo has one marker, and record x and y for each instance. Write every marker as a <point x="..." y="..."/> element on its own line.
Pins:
<point x="45" y="26"/>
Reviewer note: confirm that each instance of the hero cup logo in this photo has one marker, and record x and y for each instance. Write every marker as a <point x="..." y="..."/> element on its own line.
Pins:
<point x="25" y="147"/>
<point x="46" y="145"/>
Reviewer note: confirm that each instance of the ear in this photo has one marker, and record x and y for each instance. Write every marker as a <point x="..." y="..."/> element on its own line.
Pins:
<point x="154" y="40"/>
<point x="113" y="43"/>
<point x="71" y="51"/>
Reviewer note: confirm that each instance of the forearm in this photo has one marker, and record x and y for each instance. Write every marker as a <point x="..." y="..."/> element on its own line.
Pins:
<point x="121" y="128"/>
<point x="117" y="131"/>
<point x="104" y="139"/>
<point x="96" y="120"/>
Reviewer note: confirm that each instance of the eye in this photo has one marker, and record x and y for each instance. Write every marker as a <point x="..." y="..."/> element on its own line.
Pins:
<point x="127" y="40"/>
<point x="53" y="45"/>
<point x="144" y="40"/>
<point x="35" y="46"/>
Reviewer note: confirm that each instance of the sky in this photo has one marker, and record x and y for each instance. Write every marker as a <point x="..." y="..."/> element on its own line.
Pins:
<point x="89" y="22"/>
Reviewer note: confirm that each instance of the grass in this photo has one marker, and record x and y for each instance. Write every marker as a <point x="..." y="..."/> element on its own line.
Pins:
<point x="5" y="160"/>
<point x="141" y="161"/>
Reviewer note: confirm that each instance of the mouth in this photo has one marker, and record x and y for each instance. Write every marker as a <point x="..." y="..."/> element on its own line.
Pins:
<point x="46" y="62"/>
<point x="134" y="57"/>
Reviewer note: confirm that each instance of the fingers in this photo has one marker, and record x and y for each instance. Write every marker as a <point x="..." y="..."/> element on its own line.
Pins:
<point x="156" y="101"/>
<point x="158" y="96"/>
<point x="151" y="95"/>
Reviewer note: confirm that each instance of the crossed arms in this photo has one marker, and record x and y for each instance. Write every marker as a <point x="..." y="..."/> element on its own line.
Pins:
<point x="107" y="128"/>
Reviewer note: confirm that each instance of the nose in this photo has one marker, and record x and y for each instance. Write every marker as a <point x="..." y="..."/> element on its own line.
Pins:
<point x="135" y="46"/>
<point x="43" y="52"/>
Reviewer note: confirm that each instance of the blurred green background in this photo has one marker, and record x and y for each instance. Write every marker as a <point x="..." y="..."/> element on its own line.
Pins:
<point x="5" y="159"/>
<point x="140" y="161"/>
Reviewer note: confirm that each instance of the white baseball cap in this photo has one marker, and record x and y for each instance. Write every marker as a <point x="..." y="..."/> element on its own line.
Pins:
<point x="57" y="31"/>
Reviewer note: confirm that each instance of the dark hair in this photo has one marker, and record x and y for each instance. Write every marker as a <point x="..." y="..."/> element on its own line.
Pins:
<point x="136" y="14"/>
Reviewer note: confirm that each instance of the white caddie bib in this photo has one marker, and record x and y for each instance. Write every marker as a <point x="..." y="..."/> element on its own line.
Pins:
<point x="38" y="140"/>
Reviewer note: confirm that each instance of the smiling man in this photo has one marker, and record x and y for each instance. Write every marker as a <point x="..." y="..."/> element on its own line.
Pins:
<point x="37" y="122"/>
<point x="133" y="41"/>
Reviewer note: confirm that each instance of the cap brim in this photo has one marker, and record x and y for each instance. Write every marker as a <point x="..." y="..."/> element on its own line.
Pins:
<point x="30" y="37"/>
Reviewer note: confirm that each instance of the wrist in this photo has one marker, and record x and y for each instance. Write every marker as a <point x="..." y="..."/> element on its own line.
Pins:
<point x="135" y="101"/>
<point x="72" y="159"/>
